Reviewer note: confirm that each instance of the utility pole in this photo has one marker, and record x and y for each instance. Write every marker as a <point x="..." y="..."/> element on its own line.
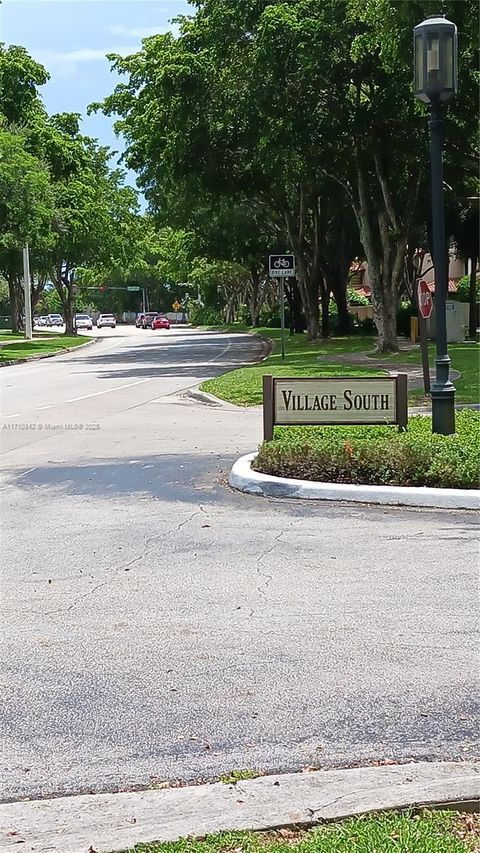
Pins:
<point x="26" y="288"/>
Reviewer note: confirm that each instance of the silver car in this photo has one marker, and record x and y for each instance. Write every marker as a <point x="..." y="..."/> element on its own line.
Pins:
<point x="54" y="320"/>
<point x="83" y="321"/>
<point x="106" y="320"/>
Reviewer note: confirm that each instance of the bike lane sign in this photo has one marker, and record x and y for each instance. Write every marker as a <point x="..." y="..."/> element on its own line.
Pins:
<point x="281" y="266"/>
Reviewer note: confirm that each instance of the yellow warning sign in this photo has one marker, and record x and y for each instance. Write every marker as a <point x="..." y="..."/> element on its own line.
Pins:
<point x="176" y="306"/>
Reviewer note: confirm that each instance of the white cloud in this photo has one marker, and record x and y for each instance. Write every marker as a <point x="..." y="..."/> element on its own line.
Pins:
<point x="85" y="54"/>
<point x="64" y="64"/>
<point x="139" y="32"/>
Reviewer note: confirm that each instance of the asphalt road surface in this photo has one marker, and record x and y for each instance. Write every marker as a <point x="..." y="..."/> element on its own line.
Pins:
<point x="158" y="626"/>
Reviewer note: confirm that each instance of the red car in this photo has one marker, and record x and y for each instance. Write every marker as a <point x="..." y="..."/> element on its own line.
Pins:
<point x="160" y="323"/>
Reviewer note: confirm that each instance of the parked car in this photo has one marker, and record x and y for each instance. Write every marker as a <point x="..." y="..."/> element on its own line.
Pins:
<point x="54" y="320"/>
<point x="83" y="321"/>
<point x="160" y="322"/>
<point x="42" y="321"/>
<point x="148" y="319"/>
<point x="106" y="320"/>
<point x="139" y="320"/>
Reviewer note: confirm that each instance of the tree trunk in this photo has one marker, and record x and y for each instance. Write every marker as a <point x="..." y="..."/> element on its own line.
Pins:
<point x="385" y="318"/>
<point x="37" y="291"/>
<point x="325" y="298"/>
<point x="70" y="328"/>
<point x="255" y="297"/>
<point x="297" y="322"/>
<point x="15" y="302"/>
<point x="68" y="310"/>
<point x="338" y="287"/>
<point x="383" y="233"/>
<point x="308" y="272"/>
<point x="472" y="298"/>
<point x="63" y="282"/>
<point x="312" y="310"/>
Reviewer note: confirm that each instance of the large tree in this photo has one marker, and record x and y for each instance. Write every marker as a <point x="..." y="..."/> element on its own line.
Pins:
<point x="26" y="216"/>
<point x="58" y="192"/>
<point x="278" y="100"/>
<point x="216" y="128"/>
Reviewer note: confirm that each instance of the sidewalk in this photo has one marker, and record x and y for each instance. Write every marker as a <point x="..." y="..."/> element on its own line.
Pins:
<point x="413" y="371"/>
<point x="116" y="822"/>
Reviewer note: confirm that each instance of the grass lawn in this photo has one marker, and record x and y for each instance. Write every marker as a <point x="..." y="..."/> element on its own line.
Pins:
<point x="244" y="386"/>
<point x="39" y="346"/>
<point x="9" y="336"/>
<point x="465" y="358"/>
<point x="428" y="832"/>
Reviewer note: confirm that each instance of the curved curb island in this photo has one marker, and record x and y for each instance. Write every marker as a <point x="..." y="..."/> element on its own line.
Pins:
<point x="245" y="479"/>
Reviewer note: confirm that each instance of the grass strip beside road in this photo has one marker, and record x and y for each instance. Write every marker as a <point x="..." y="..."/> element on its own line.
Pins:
<point x="6" y="337"/>
<point x="244" y="386"/>
<point x="465" y="358"/>
<point x="377" y="455"/>
<point x="427" y="832"/>
<point x="39" y="346"/>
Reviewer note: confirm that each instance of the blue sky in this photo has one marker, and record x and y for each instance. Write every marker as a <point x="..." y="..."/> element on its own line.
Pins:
<point x="71" y="38"/>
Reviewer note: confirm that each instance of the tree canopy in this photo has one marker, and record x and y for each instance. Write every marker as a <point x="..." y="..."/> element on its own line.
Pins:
<point x="303" y="111"/>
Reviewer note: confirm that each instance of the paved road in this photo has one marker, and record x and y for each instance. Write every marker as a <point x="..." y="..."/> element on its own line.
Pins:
<point x="158" y="626"/>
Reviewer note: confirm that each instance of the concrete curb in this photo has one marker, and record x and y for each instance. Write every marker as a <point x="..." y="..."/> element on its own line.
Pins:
<point x="118" y="821"/>
<point x="210" y="399"/>
<point x="244" y="479"/>
<point x="62" y="351"/>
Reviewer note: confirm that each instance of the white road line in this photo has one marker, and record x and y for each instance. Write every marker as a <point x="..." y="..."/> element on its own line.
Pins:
<point x="16" y="415"/>
<point x="28" y="471"/>
<point x="41" y="408"/>
<point x="193" y="364"/>
<point x="109" y="390"/>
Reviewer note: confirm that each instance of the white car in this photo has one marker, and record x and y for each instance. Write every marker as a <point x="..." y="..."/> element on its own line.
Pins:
<point x="106" y="320"/>
<point x="54" y="320"/>
<point x="83" y="321"/>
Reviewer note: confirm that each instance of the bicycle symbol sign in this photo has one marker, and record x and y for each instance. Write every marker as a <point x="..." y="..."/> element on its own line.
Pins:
<point x="281" y="266"/>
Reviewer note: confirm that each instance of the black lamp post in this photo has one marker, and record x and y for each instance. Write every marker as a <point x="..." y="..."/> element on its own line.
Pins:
<point x="435" y="52"/>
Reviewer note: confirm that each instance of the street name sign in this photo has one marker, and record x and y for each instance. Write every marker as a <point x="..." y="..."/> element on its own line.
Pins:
<point x="133" y="289"/>
<point x="328" y="401"/>
<point x="281" y="266"/>
<point x="425" y="301"/>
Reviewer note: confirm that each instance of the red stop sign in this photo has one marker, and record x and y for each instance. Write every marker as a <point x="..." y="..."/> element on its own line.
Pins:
<point x="425" y="301"/>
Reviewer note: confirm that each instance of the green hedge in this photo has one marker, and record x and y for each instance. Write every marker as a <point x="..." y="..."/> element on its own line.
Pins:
<point x="356" y="298"/>
<point x="200" y="315"/>
<point x="463" y="290"/>
<point x="378" y="455"/>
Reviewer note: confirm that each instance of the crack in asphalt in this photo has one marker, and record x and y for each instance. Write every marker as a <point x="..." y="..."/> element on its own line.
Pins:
<point x="123" y="566"/>
<point x="263" y="587"/>
<point x="76" y="600"/>
<point x="190" y="518"/>
<point x="186" y="521"/>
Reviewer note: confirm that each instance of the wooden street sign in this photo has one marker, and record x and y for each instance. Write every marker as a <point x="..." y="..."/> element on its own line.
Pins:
<point x="332" y="401"/>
